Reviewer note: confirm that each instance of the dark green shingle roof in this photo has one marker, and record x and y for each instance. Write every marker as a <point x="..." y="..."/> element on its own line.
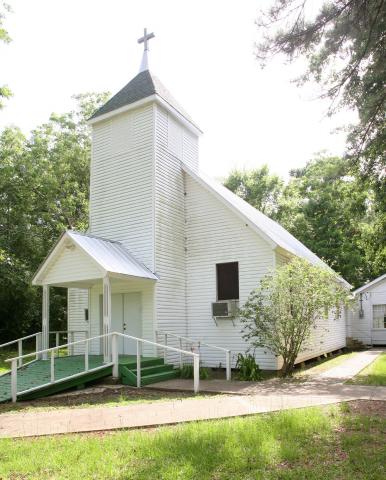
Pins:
<point x="143" y="85"/>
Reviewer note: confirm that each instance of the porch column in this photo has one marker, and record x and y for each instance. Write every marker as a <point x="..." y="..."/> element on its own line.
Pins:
<point x="45" y="319"/>
<point x="106" y="318"/>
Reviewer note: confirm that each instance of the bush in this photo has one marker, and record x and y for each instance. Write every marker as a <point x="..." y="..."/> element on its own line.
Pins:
<point x="248" y="368"/>
<point x="187" y="372"/>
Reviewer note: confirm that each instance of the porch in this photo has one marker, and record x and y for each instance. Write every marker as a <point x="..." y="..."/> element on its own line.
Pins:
<point x="34" y="380"/>
<point x="119" y="293"/>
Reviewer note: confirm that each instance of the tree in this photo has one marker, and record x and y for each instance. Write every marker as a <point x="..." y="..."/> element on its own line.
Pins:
<point x="281" y="313"/>
<point x="330" y="210"/>
<point x="344" y="45"/>
<point x="258" y="187"/>
<point x="5" y="92"/>
<point x="44" y="185"/>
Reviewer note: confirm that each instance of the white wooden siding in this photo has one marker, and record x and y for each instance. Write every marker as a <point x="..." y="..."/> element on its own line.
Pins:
<point x="122" y="179"/>
<point x="362" y="328"/>
<point x="71" y="265"/>
<point x="77" y="301"/>
<point x="216" y="235"/>
<point x="328" y="335"/>
<point x="169" y="227"/>
<point x="190" y="149"/>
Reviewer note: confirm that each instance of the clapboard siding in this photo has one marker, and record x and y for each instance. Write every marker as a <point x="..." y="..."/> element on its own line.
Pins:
<point x="169" y="226"/>
<point x="328" y="335"/>
<point x="72" y="265"/>
<point x="362" y="328"/>
<point x="216" y="235"/>
<point x="77" y="303"/>
<point x="190" y="149"/>
<point x="122" y="176"/>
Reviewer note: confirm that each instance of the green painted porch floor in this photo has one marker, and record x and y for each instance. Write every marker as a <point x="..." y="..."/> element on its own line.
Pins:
<point x="38" y="373"/>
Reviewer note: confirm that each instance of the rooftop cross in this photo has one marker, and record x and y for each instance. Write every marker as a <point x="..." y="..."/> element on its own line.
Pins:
<point x="146" y="37"/>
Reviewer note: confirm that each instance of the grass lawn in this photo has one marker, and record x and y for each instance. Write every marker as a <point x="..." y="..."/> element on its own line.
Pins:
<point x="4" y="354"/>
<point x="336" y="442"/>
<point x="374" y="374"/>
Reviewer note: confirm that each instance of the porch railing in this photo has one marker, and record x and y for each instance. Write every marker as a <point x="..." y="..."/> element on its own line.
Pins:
<point x="196" y="344"/>
<point x="114" y="361"/>
<point x="38" y="342"/>
<point x="19" y="342"/>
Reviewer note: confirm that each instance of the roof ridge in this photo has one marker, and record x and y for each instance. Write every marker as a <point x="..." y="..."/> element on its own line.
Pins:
<point x="85" y="234"/>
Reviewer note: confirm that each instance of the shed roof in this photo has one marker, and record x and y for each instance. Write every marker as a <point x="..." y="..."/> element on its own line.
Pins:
<point x="143" y="85"/>
<point x="272" y="231"/>
<point x="370" y="284"/>
<point x="111" y="256"/>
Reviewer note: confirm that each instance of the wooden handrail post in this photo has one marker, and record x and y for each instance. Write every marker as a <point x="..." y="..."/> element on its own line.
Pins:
<point x="165" y="349"/>
<point x="228" y="365"/>
<point x="14" y="380"/>
<point x="181" y="363"/>
<point x="57" y="342"/>
<point x="38" y="344"/>
<point x="52" y="366"/>
<point x="196" y="373"/>
<point x="114" y="355"/>
<point x="86" y="356"/>
<point x="20" y="351"/>
<point x="138" y="364"/>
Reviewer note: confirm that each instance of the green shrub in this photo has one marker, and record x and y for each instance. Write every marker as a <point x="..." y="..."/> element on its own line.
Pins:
<point x="248" y="368"/>
<point x="187" y="372"/>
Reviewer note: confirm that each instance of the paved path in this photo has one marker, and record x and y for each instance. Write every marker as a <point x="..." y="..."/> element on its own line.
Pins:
<point x="162" y="413"/>
<point x="352" y="366"/>
<point x="257" y="398"/>
<point x="338" y="374"/>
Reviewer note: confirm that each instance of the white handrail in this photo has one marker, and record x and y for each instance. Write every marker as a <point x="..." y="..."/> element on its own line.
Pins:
<point x="200" y="343"/>
<point x="19" y="339"/>
<point x="114" y="360"/>
<point x="38" y="342"/>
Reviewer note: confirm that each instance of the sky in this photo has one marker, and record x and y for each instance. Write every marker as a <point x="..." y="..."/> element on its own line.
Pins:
<point x="203" y="52"/>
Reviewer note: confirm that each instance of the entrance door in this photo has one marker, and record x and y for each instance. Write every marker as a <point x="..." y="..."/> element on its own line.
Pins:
<point x="126" y="317"/>
<point x="132" y="321"/>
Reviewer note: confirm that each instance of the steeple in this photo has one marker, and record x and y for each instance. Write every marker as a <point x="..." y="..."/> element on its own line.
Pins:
<point x="145" y="40"/>
<point x="143" y="88"/>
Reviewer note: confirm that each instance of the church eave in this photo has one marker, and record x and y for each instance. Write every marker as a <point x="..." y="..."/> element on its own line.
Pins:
<point x="144" y="101"/>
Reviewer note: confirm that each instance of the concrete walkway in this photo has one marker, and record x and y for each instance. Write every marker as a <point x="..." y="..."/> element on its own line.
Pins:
<point x="265" y="397"/>
<point x="339" y="374"/>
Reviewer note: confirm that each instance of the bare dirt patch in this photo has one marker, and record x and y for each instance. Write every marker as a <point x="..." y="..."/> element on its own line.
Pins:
<point x="368" y="407"/>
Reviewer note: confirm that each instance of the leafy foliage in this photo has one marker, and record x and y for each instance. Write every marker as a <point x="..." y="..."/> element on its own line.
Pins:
<point x="280" y="314"/>
<point x="334" y="211"/>
<point x="187" y="371"/>
<point x="5" y="92"/>
<point x="258" y="187"/>
<point x="44" y="185"/>
<point x="248" y="368"/>
<point x="344" y="45"/>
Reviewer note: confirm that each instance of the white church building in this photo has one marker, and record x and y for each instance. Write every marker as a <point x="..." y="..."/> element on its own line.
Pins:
<point x="170" y="253"/>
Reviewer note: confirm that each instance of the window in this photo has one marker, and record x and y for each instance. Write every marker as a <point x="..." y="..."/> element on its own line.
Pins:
<point x="379" y="316"/>
<point x="227" y="281"/>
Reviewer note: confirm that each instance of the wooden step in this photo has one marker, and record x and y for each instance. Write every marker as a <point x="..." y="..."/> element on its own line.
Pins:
<point x="148" y="379"/>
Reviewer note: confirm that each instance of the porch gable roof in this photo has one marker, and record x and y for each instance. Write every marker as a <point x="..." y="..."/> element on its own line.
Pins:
<point x="111" y="257"/>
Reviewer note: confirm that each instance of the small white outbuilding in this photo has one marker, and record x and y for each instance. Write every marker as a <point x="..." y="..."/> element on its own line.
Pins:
<point x="367" y="320"/>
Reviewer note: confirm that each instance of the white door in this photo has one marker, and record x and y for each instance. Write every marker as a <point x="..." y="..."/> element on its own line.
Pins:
<point x="126" y="317"/>
<point x="132" y="321"/>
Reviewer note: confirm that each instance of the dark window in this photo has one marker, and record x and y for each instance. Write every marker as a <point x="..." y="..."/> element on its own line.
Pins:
<point x="227" y="281"/>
